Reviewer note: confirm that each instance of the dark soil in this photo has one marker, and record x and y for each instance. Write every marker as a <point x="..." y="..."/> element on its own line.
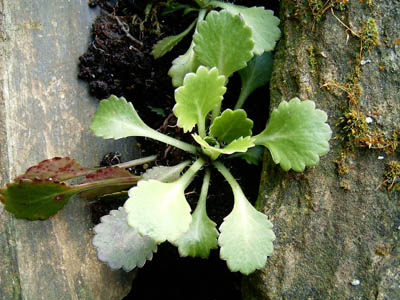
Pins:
<point x="115" y="63"/>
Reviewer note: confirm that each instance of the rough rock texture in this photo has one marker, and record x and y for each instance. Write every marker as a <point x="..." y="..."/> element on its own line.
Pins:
<point x="45" y="112"/>
<point x="334" y="229"/>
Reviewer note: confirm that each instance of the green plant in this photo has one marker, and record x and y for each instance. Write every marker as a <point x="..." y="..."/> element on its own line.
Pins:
<point x="235" y="38"/>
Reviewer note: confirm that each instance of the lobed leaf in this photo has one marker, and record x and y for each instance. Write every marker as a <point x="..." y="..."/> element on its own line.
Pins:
<point x="200" y="93"/>
<point x="246" y="234"/>
<point x="165" y="174"/>
<point x="158" y="210"/>
<point x="202" y="234"/>
<point x="182" y="65"/>
<point x="166" y="44"/>
<point x="120" y="245"/>
<point x="57" y="168"/>
<point x="262" y="22"/>
<point x="246" y="237"/>
<point x="224" y="41"/>
<point x="231" y="125"/>
<point x="239" y="145"/>
<point x="116" y="118"/>
<point x="36" y="199"/>
<point x="296" y="134"/>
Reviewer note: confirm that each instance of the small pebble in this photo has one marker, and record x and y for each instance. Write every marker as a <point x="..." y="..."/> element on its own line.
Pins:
<point x="369" y="120"/>
<point x="365" y="61"/>
<point x="381" y="157"/>
<point x="355" y="282"/>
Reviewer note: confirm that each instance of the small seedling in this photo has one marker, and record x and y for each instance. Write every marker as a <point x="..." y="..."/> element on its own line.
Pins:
<point x="233" y="39"/>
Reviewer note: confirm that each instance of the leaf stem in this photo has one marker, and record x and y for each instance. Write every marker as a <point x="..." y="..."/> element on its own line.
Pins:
<point x="201" y="126"/>
<point x="201" y="16"/>
<point x="125" y="165"/>
<point x="121" y="181"/>
<point x="189" y="174"/>
<point x="244" y="94"/>
<point x="136" y="162"/>
<point x="154" y="134"/>
<point x="236" y="189"/>
<point x="201" y="205"/>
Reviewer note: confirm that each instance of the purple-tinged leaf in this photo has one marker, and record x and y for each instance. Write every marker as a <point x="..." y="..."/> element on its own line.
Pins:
<point x="57" y="168"/>
<point x="108" y="173"/>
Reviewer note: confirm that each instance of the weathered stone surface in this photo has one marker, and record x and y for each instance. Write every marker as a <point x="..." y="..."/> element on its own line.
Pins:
<point x="328" y="236"/>
<point x="45" y="112"/>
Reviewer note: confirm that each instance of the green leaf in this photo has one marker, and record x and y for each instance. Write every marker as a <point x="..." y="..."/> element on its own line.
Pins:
<point x="116" y="118"/>
<point x="252" y="156"/>
<point x="246" y="234"/>
<point x="158" y="110"/>
<point x="239" y="145"/>
<point x="224" y="41"/>
<point x="262" y="22"/>
<point x="182" y="65"/>
<point x="166" y="44"/>
<point x="246" y="237"/>
<point x="296" y="134"/>
<point x="57" y="168"/>
<point x="231" y="125"/>
<point x="119" y="245"/>
<point x="200" y="93"/>
<point x="202" y="234"/>
<point x="165" y="174"/>
<point x="160" y="210"/>
<point x="256" y="74"/>
<point x="36" y="199"/>
<point x="172" y="6"/>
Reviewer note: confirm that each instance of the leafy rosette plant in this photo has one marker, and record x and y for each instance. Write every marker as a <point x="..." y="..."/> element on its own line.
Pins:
<point x="233" y="39"/>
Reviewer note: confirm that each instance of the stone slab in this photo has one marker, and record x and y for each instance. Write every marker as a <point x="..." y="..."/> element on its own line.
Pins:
<point x="45" y="112"/>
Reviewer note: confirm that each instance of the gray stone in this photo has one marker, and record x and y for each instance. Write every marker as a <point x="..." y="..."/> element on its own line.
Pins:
<point x="328" y="235"/>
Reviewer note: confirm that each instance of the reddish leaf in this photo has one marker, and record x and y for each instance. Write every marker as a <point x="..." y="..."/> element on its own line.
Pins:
<point x="59" y="168"/>
<point x="108" y="173"/>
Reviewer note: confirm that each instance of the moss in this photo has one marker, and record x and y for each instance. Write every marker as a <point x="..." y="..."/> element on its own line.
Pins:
<point x="355" y="133"/>
<point x="353" y="126"/>
<point x="319" y="7"/>
<point x="392" y="176"/>
<point x="340" y="5"/>
<point x="383" y="250"/>
<point x="342" y="167"/>
<point x="369" y="35"/>
<point x="316" y="7"/>
<point x="376" y="139"/>
<point x="312" y="59"/>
